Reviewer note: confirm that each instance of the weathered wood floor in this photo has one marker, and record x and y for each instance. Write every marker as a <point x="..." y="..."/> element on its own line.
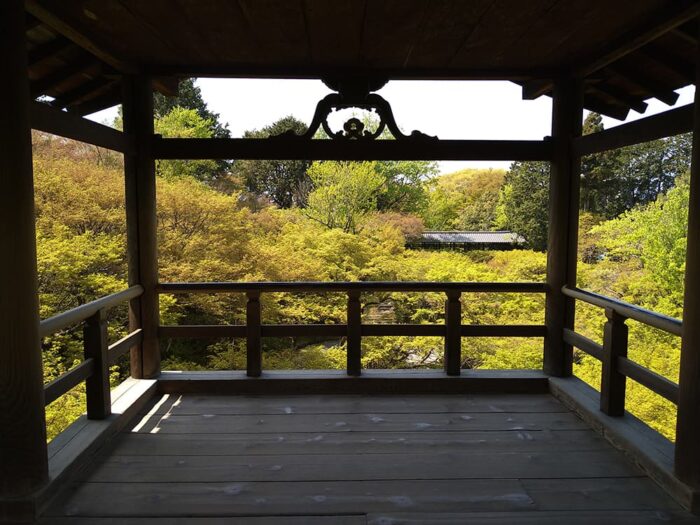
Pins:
<point x="481" y="459"/>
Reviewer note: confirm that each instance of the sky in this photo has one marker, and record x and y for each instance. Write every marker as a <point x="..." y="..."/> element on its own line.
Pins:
<point x="448" y="109"/>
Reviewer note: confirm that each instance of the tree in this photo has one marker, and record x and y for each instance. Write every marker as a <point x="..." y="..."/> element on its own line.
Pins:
<point x="186" y="123"/>
<point x="465" y="200"/>
<point x="524" y="202"/>
<point x="189" y="96"/>
<point x="403" y="189"/>
<point x="345" y="192"/>
<point x="283" y="182"/>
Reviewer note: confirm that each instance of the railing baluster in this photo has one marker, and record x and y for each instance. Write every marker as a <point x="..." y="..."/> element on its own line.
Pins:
<point x="95" y="345"/>
<point x="354" y="338"/>
<point x="613" y="383"/>
<point x="253" y="334"/>
<point x="453" y="333"/>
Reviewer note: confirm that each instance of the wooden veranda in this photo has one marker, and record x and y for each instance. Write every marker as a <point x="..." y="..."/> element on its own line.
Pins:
<point x="476" y="464"/>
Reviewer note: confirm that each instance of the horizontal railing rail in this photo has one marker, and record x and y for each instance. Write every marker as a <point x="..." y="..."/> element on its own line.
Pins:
<point x="362" y="286"/>
<point x="254" y="330"/>
<point x="630" y="311"/>
<point x="617" y="367"/>
<point x="98" y="354"/>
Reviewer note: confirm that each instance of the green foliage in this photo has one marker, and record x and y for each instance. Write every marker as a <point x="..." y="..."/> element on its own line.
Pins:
<point x="464" y="200"/>
<point x="345" y="192"/>
<point x="523" y="206"/>
<point x="185" y="123"/>
<point x="284" y="182"/>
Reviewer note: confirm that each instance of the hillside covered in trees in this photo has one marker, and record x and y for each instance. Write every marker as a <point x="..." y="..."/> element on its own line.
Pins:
<point x="340" y="221"/>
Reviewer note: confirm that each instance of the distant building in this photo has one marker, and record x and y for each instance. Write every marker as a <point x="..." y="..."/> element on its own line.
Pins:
<point x="462" y="240"/>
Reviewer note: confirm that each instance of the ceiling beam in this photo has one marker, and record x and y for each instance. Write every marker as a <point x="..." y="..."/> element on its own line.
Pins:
<point x="645" y="83"/>
<point x="47" y="50"/>
<point x="618" y="96"/>
<point x="672" y="63"/>
<point x="111" y="97"/>
<point x="593" y="102"/>
<point x="57" y="77"/>
<point x="655" y="26"/>
<point x="69" y="29"/>
<point x="81" y="92"/>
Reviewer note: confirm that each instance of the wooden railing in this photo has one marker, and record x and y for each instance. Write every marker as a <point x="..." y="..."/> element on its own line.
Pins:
<point x="253" y="331"/>
<point x="617" y="367"/>
<point x="98" y="354"/>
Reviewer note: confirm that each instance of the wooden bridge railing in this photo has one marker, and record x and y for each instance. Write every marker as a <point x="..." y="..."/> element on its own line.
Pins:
<point x="453" y="329"/>
<point x="98" y="354"/>
<point x="617" y="367"/>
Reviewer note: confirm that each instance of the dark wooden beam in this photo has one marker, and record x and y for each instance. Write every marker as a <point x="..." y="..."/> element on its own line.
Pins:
<point x="646" y="83"/>
<point x="23" y="453"/>
<point x="142" y="241"/>
<point x="57" y="77"/>
<point x="287" y="71"/>
<point x="51" y="120"/>
<point x="533" y="89"/>
<point x="562" y="245"/>
<point x="687" y="456"/>
<point x="595" y="103"/>
<point x="618" y="97"/>
<point x="107" y="99"/>
<point x="70" y="30"/>
<point x="666" y="124"/>
<point x="290" y="149"/>
<point x="83" y="91"/>
<point x="48" y="50"/>
<point x="669" y="61"/>
<point x="686" y="37"/>
<point x="660" y="23"/>
<point x="31" y="23"/>
<point x="670" y="17"/>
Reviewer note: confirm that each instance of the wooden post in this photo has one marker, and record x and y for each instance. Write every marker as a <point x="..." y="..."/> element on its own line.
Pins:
<point x="253" y="334"/>
<point x="687" y="460"/>
<point x="23" y="459"/>
<point x="95" y="344"/>
<point x="453" y="333"/>
<point x="354" y="341"/>
<point x="140" y="182"/>
<point x="613" y="383"/>
<point x="562" y="247"/>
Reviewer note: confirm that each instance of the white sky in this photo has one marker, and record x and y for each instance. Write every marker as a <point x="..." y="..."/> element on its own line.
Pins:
<point x="448" y="109"/>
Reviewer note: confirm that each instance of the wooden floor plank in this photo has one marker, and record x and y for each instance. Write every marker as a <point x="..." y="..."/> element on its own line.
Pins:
<point x="535" y="518"/>
<point x="588" y="494"/>
<point x="351" y="460"/>
<point x="398" y="518"/>
<point x="303" y="498"/>
<point x="228" y="520"/>
<point x="356" y="467"/>
<point x="354" y="404"/>
<point x="374" y="422"/>
<point x="142" y="444"/>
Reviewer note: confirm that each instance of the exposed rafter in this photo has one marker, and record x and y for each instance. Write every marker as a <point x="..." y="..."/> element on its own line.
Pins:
<point x="52" y="80"/>
<point x="657" y="25"/>
<point x="48" y="50"/>
<point x="69" y="29"/>
<point x="646" y="83"/>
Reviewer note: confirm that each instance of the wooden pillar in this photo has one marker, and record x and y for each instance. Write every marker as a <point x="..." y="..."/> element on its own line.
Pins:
<point x="97" y="392"/>
<point x="141" y="222"/>
<point x="354" y="341"/>
<point x="253" y="334"/>
<point x="613" y="383"/>
<point x="23" y="459"/>
<point x="687" y="460"/>
<point x="453" y="333"/>
<point x="562" y="246"/>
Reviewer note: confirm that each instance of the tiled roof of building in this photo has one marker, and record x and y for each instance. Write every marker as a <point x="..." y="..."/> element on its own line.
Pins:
<point x="471" y="237"/>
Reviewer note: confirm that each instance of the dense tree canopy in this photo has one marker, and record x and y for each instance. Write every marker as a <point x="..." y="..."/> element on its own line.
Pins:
<point x="284" y="182"/>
